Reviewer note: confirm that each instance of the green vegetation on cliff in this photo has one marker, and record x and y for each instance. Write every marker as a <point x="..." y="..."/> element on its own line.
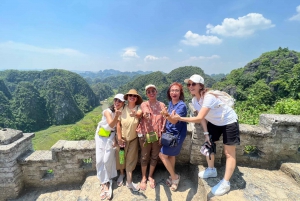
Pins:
<point x="32" y="100"/>
<point x="264" y="81"/>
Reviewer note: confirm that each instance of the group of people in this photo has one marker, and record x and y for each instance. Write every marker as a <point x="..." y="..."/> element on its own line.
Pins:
<point x="130" y="125"/>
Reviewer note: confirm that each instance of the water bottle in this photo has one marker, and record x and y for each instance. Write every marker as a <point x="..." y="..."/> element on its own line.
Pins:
<point x="122" y="155"/>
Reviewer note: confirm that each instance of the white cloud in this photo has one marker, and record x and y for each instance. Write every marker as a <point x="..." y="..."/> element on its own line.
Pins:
<point x="194" y="39"/>
<point x="243" y="26"/>
<point x="297" y="16"/>
<point x="153" y="58"/>
<point x="31" y="48"/>
<point x="205" y="58"/>
<point x="180" y="50"/>
<point x="130" y="53"/>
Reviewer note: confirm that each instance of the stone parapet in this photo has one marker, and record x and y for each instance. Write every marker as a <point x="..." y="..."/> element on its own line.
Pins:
<point x="11" y="175"/>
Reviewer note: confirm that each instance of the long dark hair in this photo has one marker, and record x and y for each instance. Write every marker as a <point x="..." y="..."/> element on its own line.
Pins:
<point x="181" y="97"/>
<point x="112" y="107"/>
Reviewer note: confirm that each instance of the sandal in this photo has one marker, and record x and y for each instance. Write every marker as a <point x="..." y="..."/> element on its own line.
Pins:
<point x="169" y="181"/>
<point x="103" y="195"/>
<point x="133" y="186"/>
<point x="143" y="185"/>
<point x="120" y="180"/>
<point x="175" y="183"/>
<point x="152" y="182"/>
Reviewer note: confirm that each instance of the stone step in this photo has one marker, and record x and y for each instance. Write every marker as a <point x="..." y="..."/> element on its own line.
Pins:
<point x="253" y="184"/>
<point x="292" y="170"/>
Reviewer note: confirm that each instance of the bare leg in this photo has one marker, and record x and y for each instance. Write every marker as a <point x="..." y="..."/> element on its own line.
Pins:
<point x="150" y="178"/>
<point x="169" y="166"/>
<point x="129" y="177"/>
<point x="211" y="163"/>
<point x="230" y="161"/>
<point x="143" y="184"/>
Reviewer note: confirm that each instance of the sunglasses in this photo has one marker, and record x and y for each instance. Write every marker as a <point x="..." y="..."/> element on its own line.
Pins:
<point x="193" y="84"/>
<point x="151" y="91"/>
<point x="132" y="95"/>
<point x="118" y="100"/>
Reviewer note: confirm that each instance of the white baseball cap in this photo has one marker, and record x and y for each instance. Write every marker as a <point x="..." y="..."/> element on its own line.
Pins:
<point x="150" y="86"/>
<point x="195" y="78"/>
<point x="120" y="97"/>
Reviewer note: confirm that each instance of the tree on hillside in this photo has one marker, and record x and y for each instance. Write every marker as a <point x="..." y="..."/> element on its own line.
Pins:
<point x="6" y="116"/>
<point x="60" y="103"/>
<point x="29" y="108"/>
<point x="102" y="91"/>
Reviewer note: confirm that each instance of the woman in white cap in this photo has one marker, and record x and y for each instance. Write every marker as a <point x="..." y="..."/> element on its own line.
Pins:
<point x="105" y="143"/>
<point x="127" y="137"/>
<point x="152" y="123"/>
<point x="216" y="118"/>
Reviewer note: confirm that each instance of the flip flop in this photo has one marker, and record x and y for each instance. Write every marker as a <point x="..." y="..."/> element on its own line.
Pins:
<point x="143" y="185"/>
<point x="152" y="183"/>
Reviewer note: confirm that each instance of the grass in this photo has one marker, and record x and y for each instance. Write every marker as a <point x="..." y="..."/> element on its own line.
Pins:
<point x="45" y="139"/>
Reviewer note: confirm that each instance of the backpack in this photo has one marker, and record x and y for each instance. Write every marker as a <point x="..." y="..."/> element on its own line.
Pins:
<point x="223" y="96"/>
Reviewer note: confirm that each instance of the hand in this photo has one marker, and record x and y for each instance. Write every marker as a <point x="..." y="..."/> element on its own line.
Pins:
<point x="175" y="116"/>
<point x="121" y="142"/>
<point x="207" y="139"/>
<point x="133" y="113"/>
<point x="164" y="111"/>
<point x="146" y="115"/>
<point x="117" y="112"/>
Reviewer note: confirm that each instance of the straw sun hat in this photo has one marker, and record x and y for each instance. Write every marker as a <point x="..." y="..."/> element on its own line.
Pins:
<point x="134" y="92"/>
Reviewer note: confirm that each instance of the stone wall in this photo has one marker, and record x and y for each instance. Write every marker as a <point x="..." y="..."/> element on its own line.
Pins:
<point x="275" y="140"/>
<point x="11" y="148"/>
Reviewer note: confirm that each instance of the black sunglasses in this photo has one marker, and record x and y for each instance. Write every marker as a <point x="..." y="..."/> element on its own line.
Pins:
<point x="118" y="100"/>
<point x="132" y="95"/>
<point x="193" y="84"/>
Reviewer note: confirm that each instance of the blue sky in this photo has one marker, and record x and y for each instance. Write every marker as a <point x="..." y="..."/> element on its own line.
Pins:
<point x="131" y="35"/>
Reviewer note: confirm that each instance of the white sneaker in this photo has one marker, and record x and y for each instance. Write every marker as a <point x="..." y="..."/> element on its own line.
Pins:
<point x="221" y="188"/>
<point x="208" y="172"/>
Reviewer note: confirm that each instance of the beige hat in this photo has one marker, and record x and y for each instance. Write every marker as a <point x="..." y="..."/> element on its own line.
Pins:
<point x="195" y="78"/>
<point x="150" y="86"/>
<point x="134" y="92"/>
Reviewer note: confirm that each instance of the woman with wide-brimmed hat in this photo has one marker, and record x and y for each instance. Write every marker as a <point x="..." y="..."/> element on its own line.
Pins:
<point x="127" y="137"/>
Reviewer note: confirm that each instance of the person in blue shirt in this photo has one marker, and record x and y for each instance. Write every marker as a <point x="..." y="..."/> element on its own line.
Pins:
<point x="167" y="154"/>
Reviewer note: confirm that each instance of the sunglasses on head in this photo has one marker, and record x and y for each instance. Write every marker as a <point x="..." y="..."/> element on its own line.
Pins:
<point x="193" y="84"/>
<point x="118" y="100"/>
<point x="132" y="95"/>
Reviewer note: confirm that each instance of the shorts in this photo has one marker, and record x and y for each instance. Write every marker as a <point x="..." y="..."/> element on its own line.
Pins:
<point x="231" y="133"/>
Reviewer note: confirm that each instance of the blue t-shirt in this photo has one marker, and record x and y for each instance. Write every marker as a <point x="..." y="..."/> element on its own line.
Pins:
<point x="180" y="128"/>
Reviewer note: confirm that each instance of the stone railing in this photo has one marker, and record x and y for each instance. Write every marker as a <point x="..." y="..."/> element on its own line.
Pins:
<point x="275" y="140"/>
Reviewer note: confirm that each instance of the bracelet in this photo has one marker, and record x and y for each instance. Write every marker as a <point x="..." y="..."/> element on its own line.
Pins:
<point x="205" y="133"/>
